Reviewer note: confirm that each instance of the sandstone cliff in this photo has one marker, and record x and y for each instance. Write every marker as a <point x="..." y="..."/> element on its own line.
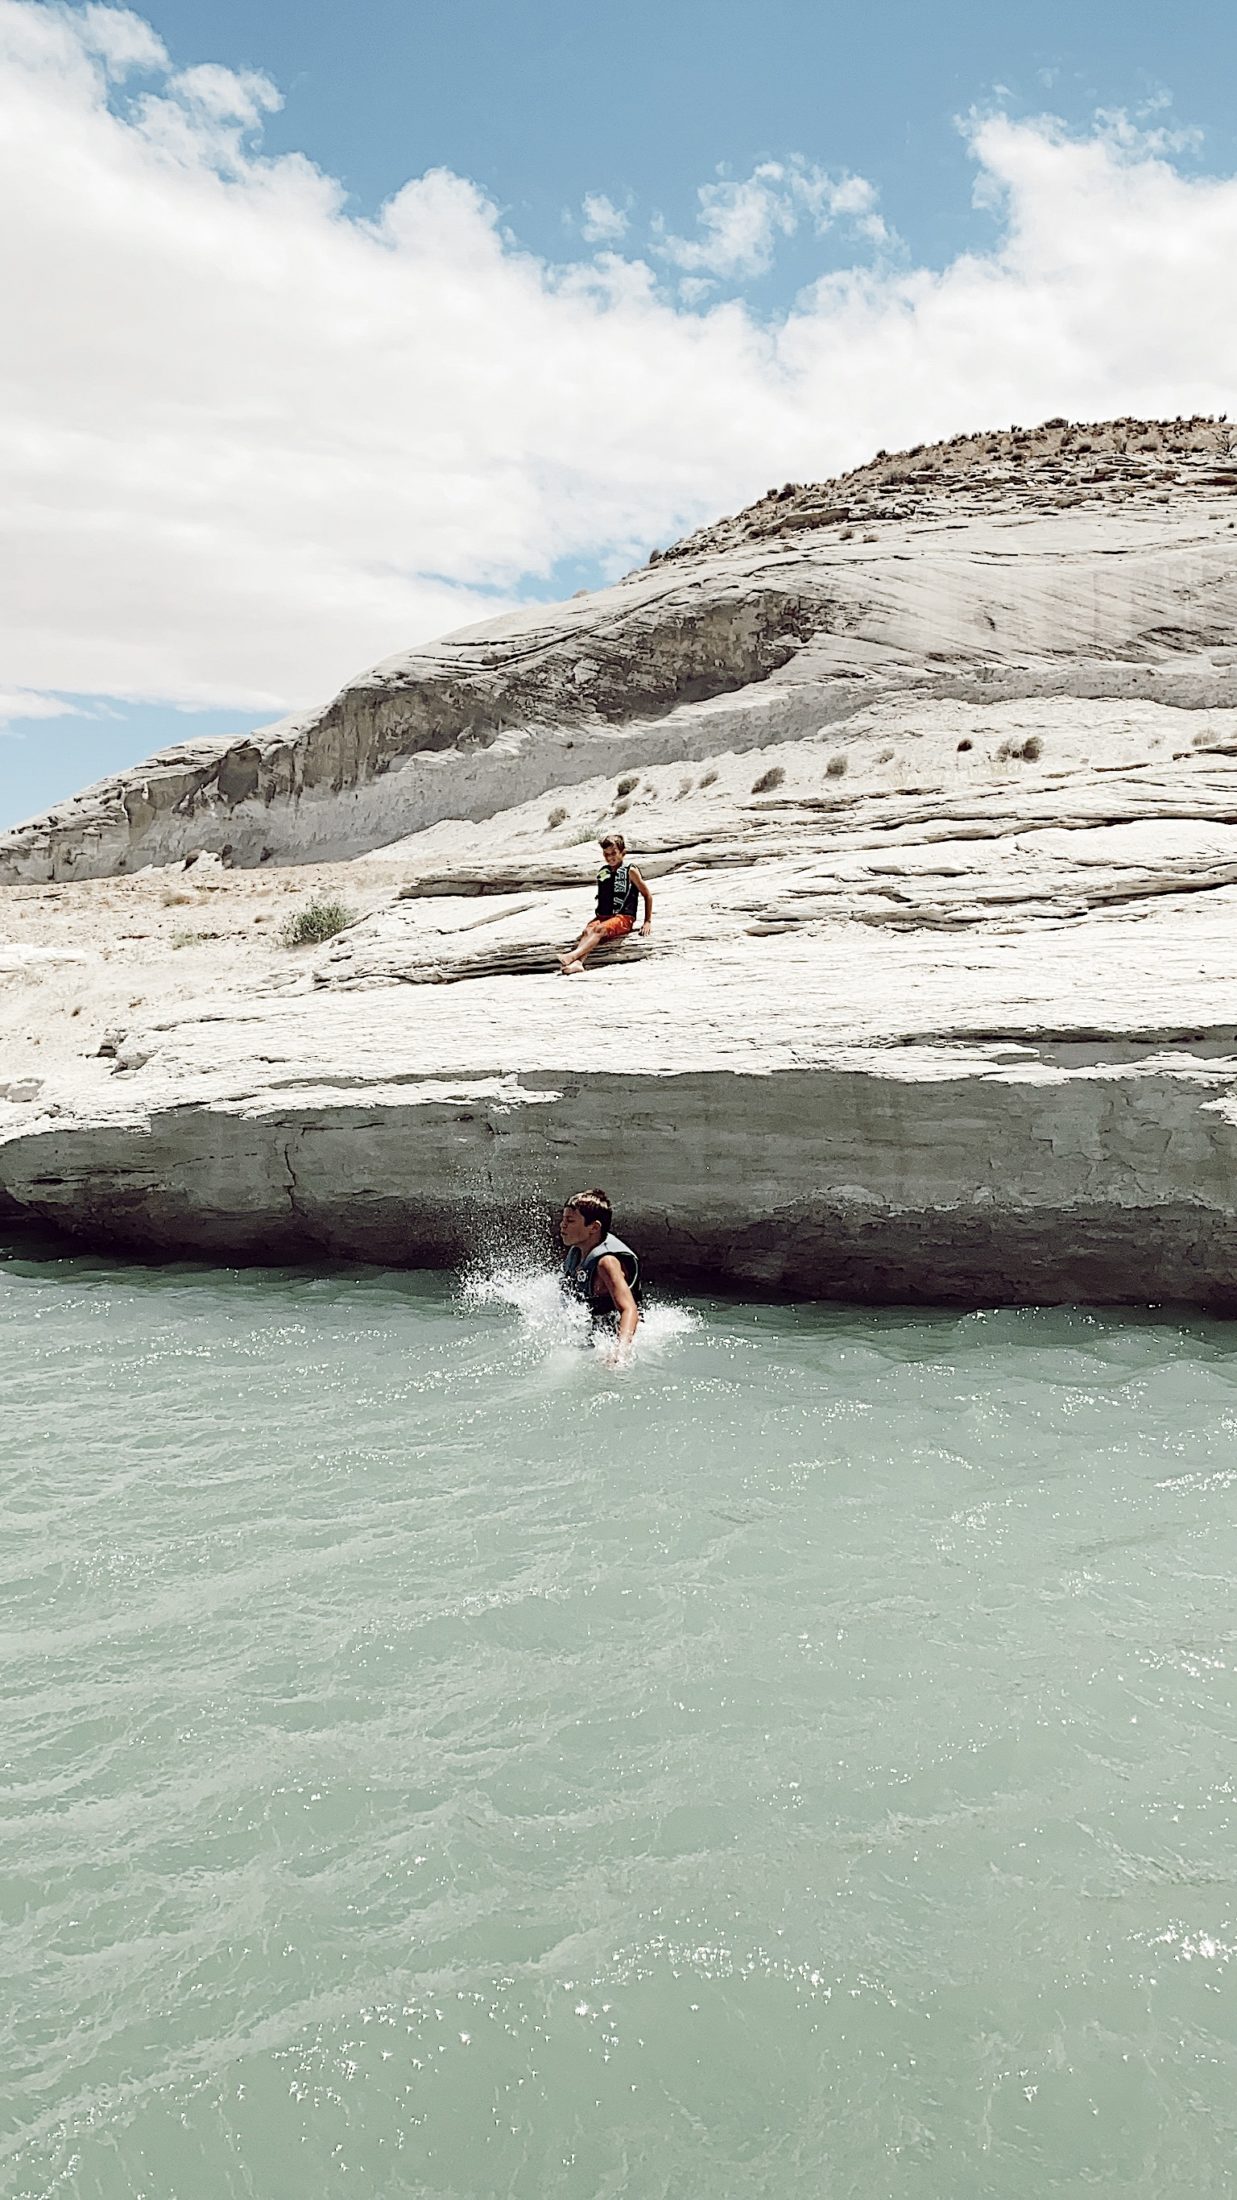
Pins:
<point x="939" y="1001"/>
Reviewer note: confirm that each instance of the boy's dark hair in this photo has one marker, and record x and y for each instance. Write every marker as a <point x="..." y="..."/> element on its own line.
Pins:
<point x="593" y="1206"/>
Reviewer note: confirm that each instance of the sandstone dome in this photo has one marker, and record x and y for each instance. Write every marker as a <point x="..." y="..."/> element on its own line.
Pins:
<point x="933" y="771"/>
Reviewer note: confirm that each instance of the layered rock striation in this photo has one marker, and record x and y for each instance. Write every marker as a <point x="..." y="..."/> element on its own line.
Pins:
<point x="1060" y="561"/>
<point x="934" y="775"/>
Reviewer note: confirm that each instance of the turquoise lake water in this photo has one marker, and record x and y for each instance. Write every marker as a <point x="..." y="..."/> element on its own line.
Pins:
<point x="430" y="1764"/>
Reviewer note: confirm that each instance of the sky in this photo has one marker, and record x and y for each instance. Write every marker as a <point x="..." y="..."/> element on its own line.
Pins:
<point x="329" y="329"/>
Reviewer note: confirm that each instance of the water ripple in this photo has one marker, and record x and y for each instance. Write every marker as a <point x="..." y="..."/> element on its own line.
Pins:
<point x="432" y="1763"/>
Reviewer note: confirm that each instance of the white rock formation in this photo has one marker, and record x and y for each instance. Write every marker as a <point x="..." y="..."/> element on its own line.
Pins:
<point x="939" y="1002"/>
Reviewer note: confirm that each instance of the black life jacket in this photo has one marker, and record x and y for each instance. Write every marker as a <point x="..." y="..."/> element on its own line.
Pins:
<point x="617" y="893"/>
<point x="579" y="1276"/>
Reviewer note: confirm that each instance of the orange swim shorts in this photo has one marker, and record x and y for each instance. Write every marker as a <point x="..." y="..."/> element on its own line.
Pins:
<point x="615" y="928"/>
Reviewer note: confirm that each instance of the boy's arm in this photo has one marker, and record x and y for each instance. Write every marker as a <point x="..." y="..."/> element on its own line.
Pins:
<point x="641" y="888"/>
<point x="610" y="1276"/>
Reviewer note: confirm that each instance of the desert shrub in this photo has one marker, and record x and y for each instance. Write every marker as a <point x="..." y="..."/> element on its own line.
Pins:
<point x="685" y="786"/>
<point x="885" y="757"/>
<point x="772" y="778"/>
<point x="621" y="809"/>
<point x="708" y="779"/>
<point x="837" y="767"/>
<point x="315" y="921"/>
<point x="1028" y="751"/>
<point x="556" y="817"/>
<point x="963" y="745"/>
<point x="1032" y="749"/>
<point x="628" y="785"/>
<point x="192" y="939"/>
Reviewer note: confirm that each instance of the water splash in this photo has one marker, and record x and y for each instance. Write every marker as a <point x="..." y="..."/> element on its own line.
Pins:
<point x="546" y="1315"/>
<point x="551" y="1321"/>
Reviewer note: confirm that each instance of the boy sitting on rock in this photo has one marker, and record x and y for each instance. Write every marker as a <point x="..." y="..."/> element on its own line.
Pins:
<point x="620" y="889"/>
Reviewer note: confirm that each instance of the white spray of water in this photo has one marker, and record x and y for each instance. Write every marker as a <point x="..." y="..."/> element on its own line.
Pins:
<point x="552" y="1321"/>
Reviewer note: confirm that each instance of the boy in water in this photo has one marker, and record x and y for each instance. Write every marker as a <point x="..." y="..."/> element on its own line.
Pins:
<point x="620" y="889"/>
<point x="599" y="1269"/>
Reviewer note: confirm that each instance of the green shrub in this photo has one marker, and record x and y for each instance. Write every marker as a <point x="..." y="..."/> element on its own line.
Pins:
<point x="315" y="921"/>
<point x="772" y="778"/>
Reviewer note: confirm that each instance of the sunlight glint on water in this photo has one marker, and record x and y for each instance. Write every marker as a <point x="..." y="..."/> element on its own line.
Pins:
<point x="435" y="1764"/>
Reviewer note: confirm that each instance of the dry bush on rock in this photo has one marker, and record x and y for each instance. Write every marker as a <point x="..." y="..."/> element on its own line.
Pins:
<point x="315" y="921"/>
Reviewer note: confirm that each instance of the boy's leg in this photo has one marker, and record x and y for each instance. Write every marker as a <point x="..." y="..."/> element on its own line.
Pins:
<point x="596" y="934"/>
<point x="575" y="959"/>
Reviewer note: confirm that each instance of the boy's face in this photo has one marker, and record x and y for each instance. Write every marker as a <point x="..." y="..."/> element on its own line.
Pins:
<point x="611" y="853"/>
<point x="574" y="1230"/>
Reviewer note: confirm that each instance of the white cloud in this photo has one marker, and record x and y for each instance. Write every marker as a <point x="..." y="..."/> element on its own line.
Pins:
<point x="227" y="95"/>
<point x="1137" y="136"/>
<point x="603" y="222"/>
<point x="251" y="444"/>
<point x="740" y="223"/>
<point x="846" y="198"/>
<point x="20" y="703"/>
<point x="121" y="39"/>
